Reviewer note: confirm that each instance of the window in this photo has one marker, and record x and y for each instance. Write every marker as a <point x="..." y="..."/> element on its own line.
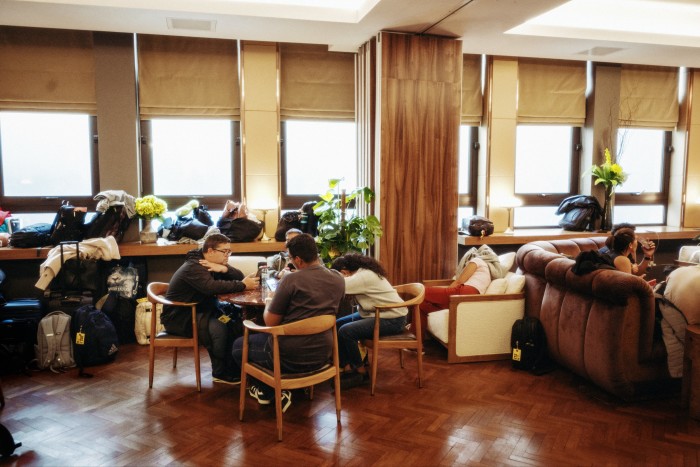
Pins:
<point x="468" y="155"/>
<point x="644" y="154"/>
<point x="546" y="171"/>
<point x="313" y="152"/>
<point x="191" y="158"/>
<point x="40" y="152"/>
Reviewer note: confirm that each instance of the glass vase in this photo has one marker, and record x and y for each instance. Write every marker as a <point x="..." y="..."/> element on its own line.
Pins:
<point x="606" y="223"/>
<point x="148" y="234"/>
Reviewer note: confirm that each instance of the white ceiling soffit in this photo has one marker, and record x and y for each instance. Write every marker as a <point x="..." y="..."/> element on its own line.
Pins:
<point x="672" y="23"/>
<point x="343" y="11"/>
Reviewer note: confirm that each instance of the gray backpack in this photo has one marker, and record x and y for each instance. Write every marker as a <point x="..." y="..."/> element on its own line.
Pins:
<point x="54" y="349"/>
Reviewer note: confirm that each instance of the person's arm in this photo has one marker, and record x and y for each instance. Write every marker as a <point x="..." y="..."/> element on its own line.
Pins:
<point x="623" y="263"/>
<point x="465" y="275"/>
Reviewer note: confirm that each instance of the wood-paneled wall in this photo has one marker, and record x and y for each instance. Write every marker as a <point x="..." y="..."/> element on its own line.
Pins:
<point x="419" y="115"/>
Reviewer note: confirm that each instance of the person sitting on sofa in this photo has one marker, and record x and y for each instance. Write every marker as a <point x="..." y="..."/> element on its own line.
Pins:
<point x="623" y="251"/>
<point x="648" y="248"/>
<point x="481" y="266"/>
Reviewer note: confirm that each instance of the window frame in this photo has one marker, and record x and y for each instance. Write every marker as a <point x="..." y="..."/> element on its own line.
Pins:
<point x="554" y="199"/>
<point x="468" y="200"/>
<point x="41" y="204"/>
<point x="147" y="171"/>
<point x="661" y="197"/>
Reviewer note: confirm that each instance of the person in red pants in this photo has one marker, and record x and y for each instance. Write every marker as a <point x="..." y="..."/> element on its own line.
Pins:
<point x="473" y="280"/>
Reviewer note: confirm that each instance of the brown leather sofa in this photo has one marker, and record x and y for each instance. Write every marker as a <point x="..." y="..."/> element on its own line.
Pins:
<point x="599" y="325"/>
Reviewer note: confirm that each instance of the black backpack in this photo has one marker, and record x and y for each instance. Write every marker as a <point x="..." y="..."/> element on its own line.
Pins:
<point x="68" y="225"/>
<point x="113" y="222"/>
<point x="31" y="236"/>
<point x="581" y="212"/>
<point x="241" y="229"/>
<point x="528" y="344"/>
<point x="94" y="337"/>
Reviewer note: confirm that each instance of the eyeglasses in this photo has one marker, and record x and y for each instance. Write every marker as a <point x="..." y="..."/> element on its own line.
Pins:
<point x="226" y="252"/>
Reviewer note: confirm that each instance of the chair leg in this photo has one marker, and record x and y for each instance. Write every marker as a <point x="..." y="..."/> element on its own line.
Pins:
<point x="401" y="358"/>
<point x="419" y="355"/>
<point x="241" y="398"/>
<point x="198" y="374"/>
<point x="375" y="361"/>
<point x="337" y="396"/>
<point x="278" y="412"/>
<point x="151" y="363"/>
<point x="311" y="392"/>
<point x="174" y="357"/>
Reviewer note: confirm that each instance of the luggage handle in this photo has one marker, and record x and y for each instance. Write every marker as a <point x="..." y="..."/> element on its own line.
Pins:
<point x="77" y="256"/>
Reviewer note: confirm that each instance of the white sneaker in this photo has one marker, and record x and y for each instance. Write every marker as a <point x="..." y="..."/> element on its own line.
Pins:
<point x="286" y="400"/>
<point x="257" y="394"/>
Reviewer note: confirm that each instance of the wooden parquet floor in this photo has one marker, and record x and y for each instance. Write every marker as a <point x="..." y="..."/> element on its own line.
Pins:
<point x="479" y="414"/>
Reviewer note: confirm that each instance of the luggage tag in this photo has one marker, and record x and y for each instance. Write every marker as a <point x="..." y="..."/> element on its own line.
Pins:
<point x="80" y="338"/>
<point x="516" y="354"/>
<point x="224" y="318"/>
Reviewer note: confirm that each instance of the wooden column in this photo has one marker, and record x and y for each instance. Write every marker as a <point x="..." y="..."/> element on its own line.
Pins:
<point x="419" y="103"/>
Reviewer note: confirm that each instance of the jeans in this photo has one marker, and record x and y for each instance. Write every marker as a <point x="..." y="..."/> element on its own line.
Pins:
<point x="217" y="338"/>
<point x="353" y="328"/>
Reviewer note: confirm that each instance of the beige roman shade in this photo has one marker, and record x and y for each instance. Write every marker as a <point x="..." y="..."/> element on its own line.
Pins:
<point x="46" y="69"/>
<point x="188" y="76"/>
<point x="551" y="91"/>
<point x="316" y="83"/>
<point x="472" y="98"/>
<point x="648" y="97"/>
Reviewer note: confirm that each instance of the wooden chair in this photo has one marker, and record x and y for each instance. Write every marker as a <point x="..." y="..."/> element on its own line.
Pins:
<point x="156" y="295"/>
<point x="279" y="381"/>
<point x="403" y="341"/>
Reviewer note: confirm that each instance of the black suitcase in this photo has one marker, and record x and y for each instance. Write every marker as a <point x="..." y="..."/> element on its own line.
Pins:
<point x="19" y="321"/>
<point x="78" y="283"/>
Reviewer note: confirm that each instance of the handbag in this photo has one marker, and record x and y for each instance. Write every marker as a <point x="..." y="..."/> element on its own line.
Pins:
<point x="480" y="226"/>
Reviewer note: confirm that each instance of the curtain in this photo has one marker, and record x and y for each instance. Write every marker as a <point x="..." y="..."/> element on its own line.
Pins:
<point x="648" y="97"/>
<point x="47" y="69"/>
<point x="316" y="83"/>
<point x="188" y="76"/>
<point x="551" y="91"/>
<point x="472" y="98"/>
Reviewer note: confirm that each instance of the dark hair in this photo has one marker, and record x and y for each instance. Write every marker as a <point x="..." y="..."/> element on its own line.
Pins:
<point x="214" y="240"/>
<point x="622" y="225"/>
<point x="622" y="239"/>
<point x="354" y="261"/>
<point x="304" y="247"/>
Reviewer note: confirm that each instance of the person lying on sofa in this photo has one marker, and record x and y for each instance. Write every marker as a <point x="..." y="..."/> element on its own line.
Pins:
<point x="648" y="248"/>
<point x="480" y="267"/>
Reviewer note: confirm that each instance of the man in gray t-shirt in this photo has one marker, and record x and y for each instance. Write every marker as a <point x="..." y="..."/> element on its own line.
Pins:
<point x="312" y="290"/>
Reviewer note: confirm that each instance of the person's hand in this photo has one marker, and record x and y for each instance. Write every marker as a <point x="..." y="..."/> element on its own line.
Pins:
<point x="252" y="281"/>
<point x="213" y="267"/>
<point x="648" y="247"/>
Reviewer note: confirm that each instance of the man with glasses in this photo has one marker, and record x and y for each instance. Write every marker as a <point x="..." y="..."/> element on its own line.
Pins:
<point x="204" y="275"/>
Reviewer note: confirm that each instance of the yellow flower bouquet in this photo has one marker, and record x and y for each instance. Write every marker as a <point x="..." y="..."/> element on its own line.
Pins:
<point x="150" y="207"/>
<point x="609" y="174"/>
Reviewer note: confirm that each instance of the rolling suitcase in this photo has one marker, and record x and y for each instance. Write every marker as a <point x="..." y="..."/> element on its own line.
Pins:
<point x="19" y="320"/>
<point x="77" y="283"/>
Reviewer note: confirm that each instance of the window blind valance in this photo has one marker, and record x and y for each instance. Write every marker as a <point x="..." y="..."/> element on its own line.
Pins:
<point x="188" y="76"/>
<point x="648" y="97"/>
<point x="316" y="83"/>
<point x="551" y="91"/>
<point x="47" y="69"/>
<point x="472" y="97"/>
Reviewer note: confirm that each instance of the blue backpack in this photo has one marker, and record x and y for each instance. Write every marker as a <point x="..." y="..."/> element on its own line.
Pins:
<point x="94" y="337"/>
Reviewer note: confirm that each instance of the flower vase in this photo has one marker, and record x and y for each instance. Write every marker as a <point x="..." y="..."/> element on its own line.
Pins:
<point x="148" y="234"/>
<point x="606" y="222"/>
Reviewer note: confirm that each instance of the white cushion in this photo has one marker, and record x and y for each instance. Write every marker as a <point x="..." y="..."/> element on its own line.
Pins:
<point x="687" y="253"/>
<point x="497" y="287"/>
<point x="516" y="283"/>
<point x="507" y="260"/>
<point x="438" y="324"/>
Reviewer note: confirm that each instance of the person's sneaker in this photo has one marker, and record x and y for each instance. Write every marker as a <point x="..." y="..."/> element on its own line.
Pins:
<point x="227" y="379"/>
<point x="262" y="398"/>
<point x="286" y="400"/>
<point x="351" y="380"/>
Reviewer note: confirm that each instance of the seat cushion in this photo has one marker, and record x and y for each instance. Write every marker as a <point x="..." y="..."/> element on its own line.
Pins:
<point x="438" y="322"/>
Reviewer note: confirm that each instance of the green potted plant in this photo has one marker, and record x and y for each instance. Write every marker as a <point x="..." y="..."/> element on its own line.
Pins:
<point x="338" y="233"/>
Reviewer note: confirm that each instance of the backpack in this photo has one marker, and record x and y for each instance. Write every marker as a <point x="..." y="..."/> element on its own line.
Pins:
<point x="528" y="344"/>
<point x="53" y="348"/>
<point x="122" y="312"/>
<point x="288" y="220"/>
<point x="142" y="324"/>
<point x="31" y="236"/>
<point x="94" y="337"/>
<point x="113" y="222"/>
<point x="241" y="229"/>
<point x="69" y="224"/>
<point x="7" y="442"/>
<point x="580" y="213"/>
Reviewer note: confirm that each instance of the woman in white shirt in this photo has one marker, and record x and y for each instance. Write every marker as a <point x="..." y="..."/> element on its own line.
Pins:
<point x="365" y="280"/>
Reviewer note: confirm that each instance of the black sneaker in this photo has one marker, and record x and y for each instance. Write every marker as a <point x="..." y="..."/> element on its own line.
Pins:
<point x="227" y="379"/>
<point x="351" y="380"/>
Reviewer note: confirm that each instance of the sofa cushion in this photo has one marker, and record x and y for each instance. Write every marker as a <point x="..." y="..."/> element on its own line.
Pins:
<point x="507" y="260"/>
<point x="497" y="287"/>
<point x="438" y="324"/>
<point x="516" y="283"/>
<point x="246" y="264"/>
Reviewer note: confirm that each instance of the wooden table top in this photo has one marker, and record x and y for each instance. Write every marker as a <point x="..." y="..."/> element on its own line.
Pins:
<point x="252" y="297"/>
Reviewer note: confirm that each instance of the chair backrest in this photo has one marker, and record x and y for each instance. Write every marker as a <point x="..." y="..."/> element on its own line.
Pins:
<point x="156" y="294"/>
<point x="414" y="291"/>
<point x="304" y="327"/>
